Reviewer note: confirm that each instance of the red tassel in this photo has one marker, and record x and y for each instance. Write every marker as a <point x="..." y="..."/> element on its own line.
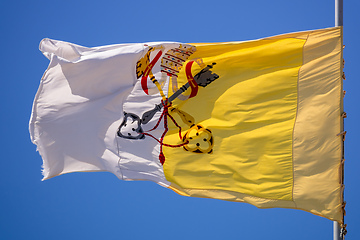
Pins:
<point x="162" y="158"/>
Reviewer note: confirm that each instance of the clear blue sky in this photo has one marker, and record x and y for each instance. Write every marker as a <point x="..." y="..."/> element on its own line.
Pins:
<point x="98" y="205"/>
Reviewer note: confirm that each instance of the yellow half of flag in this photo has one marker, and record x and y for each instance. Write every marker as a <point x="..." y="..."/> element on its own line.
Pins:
<point x="274" y="118"/>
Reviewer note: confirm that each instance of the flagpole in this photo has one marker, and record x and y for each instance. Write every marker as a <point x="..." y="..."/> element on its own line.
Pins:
<point x="337" y="234"/>
<point x="338" y="13"/>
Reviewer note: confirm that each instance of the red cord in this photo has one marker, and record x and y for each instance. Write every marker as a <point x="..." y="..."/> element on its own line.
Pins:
<point x="164" y="115"/>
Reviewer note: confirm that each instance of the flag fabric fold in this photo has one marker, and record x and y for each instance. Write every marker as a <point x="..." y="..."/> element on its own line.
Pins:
<point x="255" y="121"/>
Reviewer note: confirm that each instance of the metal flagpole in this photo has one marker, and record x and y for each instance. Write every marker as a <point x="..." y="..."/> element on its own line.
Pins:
<point x="337" y="233"/>
<point x="338" y="13"/>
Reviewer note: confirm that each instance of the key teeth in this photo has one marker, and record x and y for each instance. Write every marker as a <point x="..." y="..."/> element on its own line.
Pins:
<point x="206" y="76"/>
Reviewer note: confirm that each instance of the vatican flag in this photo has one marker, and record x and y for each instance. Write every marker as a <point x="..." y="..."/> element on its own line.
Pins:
<point x="256" y="121"/>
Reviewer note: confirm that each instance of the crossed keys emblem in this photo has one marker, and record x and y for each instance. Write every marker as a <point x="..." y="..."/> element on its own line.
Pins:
<point x="131" y="126"/>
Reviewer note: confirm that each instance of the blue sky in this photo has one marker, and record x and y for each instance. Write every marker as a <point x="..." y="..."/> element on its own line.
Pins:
<point x="98" y="205"/>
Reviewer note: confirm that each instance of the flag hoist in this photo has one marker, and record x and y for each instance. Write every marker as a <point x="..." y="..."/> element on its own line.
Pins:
<point x="340" y="228"/>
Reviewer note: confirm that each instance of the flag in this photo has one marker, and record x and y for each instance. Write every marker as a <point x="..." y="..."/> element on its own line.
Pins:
<point x="256" y="121"/>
